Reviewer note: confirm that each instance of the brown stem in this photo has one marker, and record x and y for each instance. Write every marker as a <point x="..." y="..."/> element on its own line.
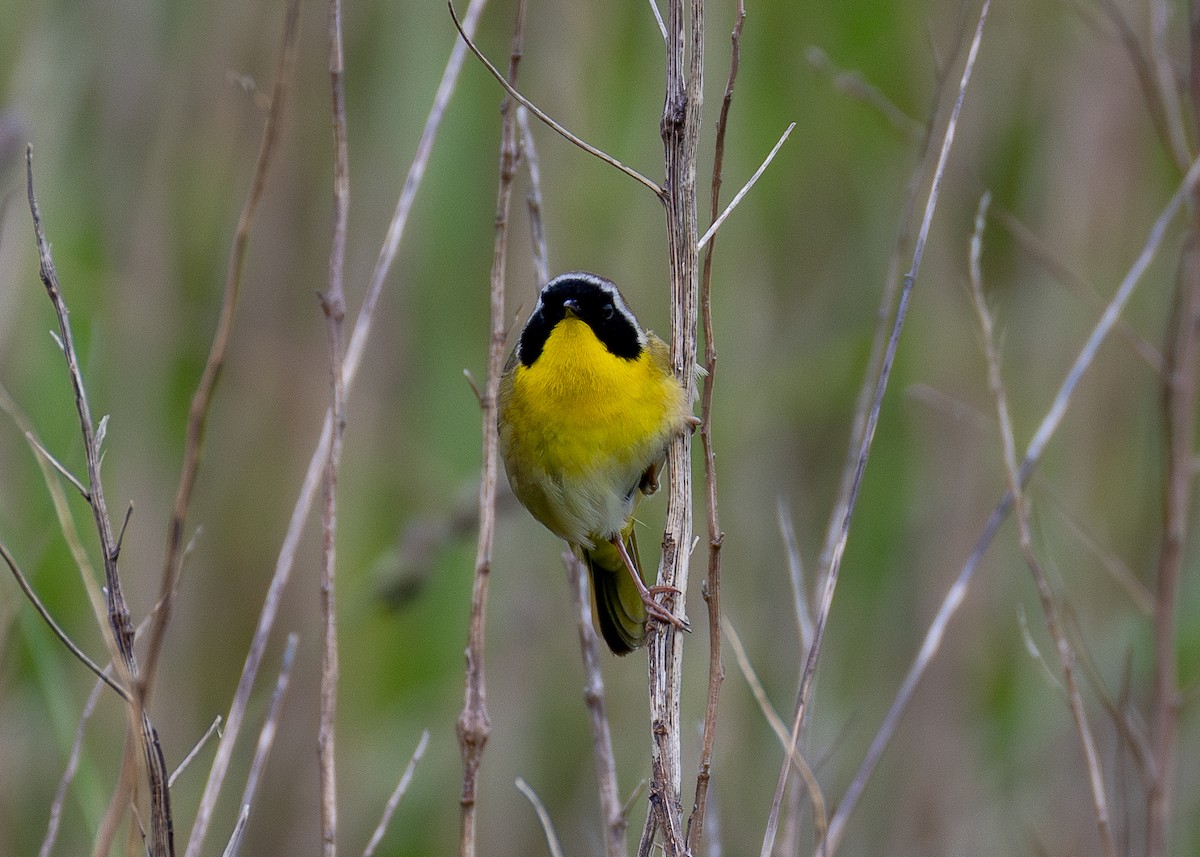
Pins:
<point x="162" y="838"/>
<point x="474" y="725"/>
<point x="712" y="586"/>
<point x="1181" y="382"/>
<point x="333" y="305"/>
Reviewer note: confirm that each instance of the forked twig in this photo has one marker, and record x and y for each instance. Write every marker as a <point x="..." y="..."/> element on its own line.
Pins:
<point x="1066" y="655"/>
<point x="119" y="625"/>
<point x="62" y="635"/>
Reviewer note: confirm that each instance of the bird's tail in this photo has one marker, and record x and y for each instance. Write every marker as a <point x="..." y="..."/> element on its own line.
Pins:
<point x="620" y="612"/>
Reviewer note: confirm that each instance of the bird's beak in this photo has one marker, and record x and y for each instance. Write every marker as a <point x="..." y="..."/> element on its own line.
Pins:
<point x="571" y="306"/>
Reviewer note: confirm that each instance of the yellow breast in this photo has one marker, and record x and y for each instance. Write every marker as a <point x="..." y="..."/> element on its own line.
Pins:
<point x="579" y="408"/>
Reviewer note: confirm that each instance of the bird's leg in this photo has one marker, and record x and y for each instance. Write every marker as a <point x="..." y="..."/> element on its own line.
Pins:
<point x="659" y="612"/>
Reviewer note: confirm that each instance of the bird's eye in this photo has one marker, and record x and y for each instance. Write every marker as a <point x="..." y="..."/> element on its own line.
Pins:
<point x="607" y="311"/>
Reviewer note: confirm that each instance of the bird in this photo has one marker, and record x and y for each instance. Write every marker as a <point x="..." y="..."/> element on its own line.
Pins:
<point x="587" y="407"/>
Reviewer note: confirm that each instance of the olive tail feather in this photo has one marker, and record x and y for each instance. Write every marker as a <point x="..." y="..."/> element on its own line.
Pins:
<point x="620" y="613"/>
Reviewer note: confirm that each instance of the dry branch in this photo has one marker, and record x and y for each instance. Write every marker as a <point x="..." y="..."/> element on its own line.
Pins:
<point x="680" y="127"/>
<point x="474" y="725"/>
<point x="119" y="624"/>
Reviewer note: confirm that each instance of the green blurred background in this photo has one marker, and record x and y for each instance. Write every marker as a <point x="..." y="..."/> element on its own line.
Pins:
<point x="145" y="118"/>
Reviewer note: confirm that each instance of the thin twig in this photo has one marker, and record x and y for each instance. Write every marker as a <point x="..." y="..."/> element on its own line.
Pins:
<point x="712" y="586"/>
<point x="119" y="624"/>
<point x="543" y="817"/>
<point x="1033" y="453"/>
<point x="474" y="725"/>
<point x="546" y="119"/>
<point x="533" y="200"/>
<point x="856" y="86"/>
<point x="1066" y="655"/>
<point x="397" y="796"/>
<point x="333" y="306"/>
<point x="300" y="512"/>
<point x="593" y="695"/>
<point x="266" y="739"/>
<point x="804" y="621"/>
<point x="62" y="635"/>
<point x="66" y="520"/>
<point x="733" y="203"/>
<point x="1180" y="391"/>
<point x="820" y="812"/>
<point x="213" y="729"/>
<point x="239" y="828"/>
<point x="60" y="795"/>
<point x="57" y="465"/>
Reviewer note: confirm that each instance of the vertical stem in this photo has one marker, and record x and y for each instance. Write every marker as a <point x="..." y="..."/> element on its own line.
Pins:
<point x="333" y="304"/>
<point x="1181" y="382"/>
<point x="680" y="129"/>
<point x="474" y="725"/>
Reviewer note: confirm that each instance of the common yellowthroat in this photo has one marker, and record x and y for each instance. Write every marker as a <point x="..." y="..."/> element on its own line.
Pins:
<point x="588" y="405"/>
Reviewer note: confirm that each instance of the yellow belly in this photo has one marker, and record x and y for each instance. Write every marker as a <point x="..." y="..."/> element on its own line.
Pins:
<point x="580" y="426"/>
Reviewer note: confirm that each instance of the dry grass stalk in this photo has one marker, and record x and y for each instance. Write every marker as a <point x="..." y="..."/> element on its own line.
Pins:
<point x="474" y="725"/>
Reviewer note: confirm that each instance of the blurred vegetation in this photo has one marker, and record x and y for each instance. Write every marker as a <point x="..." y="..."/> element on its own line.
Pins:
<point x="144" y="119"/>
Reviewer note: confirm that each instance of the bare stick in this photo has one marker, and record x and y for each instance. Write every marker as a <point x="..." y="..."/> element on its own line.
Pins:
<point x="733" y="203"/>
<point x="868" y="436"/>
<point x="62" y="635"/>
<point x="1180" y="390"/>
<point x="119" y="624"/>
<point x="712" y="585"/>
<point x="57" y="465"/>
<point x="1065" y="654"/>
<point x="60" y="796"/>
<point x="593" y="695"/>
<point x="680" y="127"/>
<point x="266" y="740"/>
<point x="333" y="306"/>
<point x="804" y="622"/>
<point x="474" y="725"/>
<point x="1033" y="453"/>
<point x="397" y="795"/>
<point x="820" y="813"/>
<point x="213" y="728"/>
<point x="239" y="828"/>
<point x="353" y="358"/>
<point x="202" y="399"/>
<point x="537" y="229"/>
<point x="543" y="817"/>
<point x="549" y="122"/>
<point x="66" y="520"/>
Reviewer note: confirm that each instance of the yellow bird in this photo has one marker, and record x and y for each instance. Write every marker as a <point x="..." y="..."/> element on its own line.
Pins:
<point x="588" y="405"/>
